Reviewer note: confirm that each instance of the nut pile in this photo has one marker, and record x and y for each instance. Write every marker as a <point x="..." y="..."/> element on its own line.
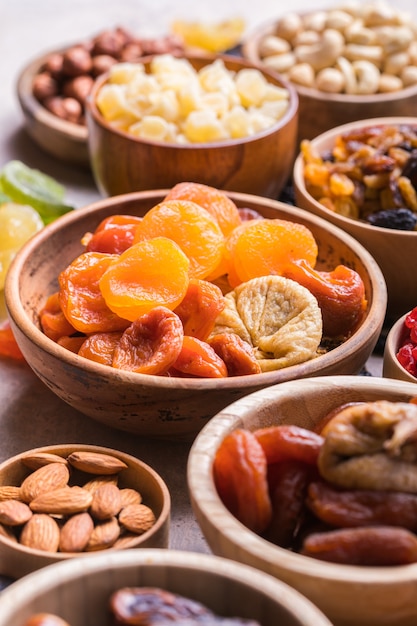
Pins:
<point x="354" y="49"/>
<point x="73" y="504"/>
<point x="65" y="80"/>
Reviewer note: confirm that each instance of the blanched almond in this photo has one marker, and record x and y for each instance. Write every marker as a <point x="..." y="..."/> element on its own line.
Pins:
<point x="46" y="478"/>
<point x="106" y="502"/>
<point x="76" y="533"/>
<point x="138" y="518"/>
<point x="41" y="532"/>
<point x="96" y="462"/>
<point x="14" y="513"/>
<point x="65" y="501"/>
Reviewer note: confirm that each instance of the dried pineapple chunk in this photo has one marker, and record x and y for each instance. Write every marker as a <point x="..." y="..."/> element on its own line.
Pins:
<point x="203" y="127"/>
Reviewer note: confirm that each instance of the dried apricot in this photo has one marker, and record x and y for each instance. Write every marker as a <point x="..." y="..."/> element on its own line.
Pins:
<point x="192" y="228"/>
<point x="229" y="251"/>
<point x="238" y="355"/>
<point x="288" y="441"/>
<point x="340" y="294"/>
<point x="199" y="308"/>
<point x="150" y="273"/>
<point x="151" y="344"/>
<point x="53" y="322"/>
<point x="100" y="347"/>
<point x="240" y="475"/>
<point x="8" y="345"/>
<point x="114" y="234"/>
<point x="73" y="344"/>
<point x="270" y="246"/>
<point x="80" y="296"/>
<point x="215" y="201"/>
<point x="197" y="358"/>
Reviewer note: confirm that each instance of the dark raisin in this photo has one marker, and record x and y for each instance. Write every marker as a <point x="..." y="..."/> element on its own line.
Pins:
<point x="398" y="219"/>
<point x="410" y="168"/>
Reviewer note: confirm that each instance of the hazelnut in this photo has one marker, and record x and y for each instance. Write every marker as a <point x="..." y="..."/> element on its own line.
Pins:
<point x="53" y="64"/>
<point x="65" y="108"/>
<point x="44" y="86"/>
<point x="78" y="88"/>
<point x="102" y="63"/>
<point x="76" y="61"/>
<point x="109" y="42"/>
<point x="131" y="52"/>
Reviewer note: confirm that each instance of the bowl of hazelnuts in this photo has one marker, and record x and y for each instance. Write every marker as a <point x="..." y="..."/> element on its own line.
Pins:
<point x="52" y="88"/>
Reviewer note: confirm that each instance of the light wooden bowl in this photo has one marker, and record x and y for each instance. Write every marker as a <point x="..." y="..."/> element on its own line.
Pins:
<point x="79" y="591"/>
<point x="393" y="250"/>
<point x="391" y="367"/>
<point x="18" y="560"/>
<point x="260" y="164"/>
<point x="156" y="405"/>
<point x="320" y="111"/>
<point x="62" y="139"/>
<point x="348" y="595"/>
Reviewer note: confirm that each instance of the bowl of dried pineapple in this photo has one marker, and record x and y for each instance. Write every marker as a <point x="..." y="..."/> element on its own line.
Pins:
<point x="313" y="481"/>
<point x="213" y="119"/>
<point x="151" y="311"/>
<point x="361" y="177"/>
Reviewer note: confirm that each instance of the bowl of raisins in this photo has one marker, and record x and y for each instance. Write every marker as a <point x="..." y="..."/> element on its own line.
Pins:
<point x="400" y="351"/>
<point x="361" y="176"/>
<point x="154" y="586"/>
<point x="213" y="119"/>
<point x="313" y="481"/>
<point x="150" y="312"/>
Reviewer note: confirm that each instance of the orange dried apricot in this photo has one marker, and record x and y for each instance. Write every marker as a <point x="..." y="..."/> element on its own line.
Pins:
<point x="72" y="344"/>
<point x="237" y="354"/>
<point x="114" y="234"/>
<point x="80" y="297"/>
<point x="240" y="476"/>
<point x="150" y="273"/>
<point x="99" y="347"/>
<point x="192" y="228"/>
<point x="269" y="246"/>
<point x="151" y="344"/>
<point x="197" y="358"/>
<point x="340" y="294"/>
<point x="199" y="308"/>
<point x="53" y="322"/>
<point x="8" y="344"/>
<point x="229" y="251"/>
<point x="288" y="441"/>
<point x="215" y="201"/>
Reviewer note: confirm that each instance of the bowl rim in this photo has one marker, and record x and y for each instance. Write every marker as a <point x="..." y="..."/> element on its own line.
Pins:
<point x="162" y="519"/>
<point x="93" y="114"/>
<point x="200" y="480"/>
<point x="329" y="136"/>
<point x="19" y="318"/>
<point x="250" y="50"/>
<point x="30" y="585"/>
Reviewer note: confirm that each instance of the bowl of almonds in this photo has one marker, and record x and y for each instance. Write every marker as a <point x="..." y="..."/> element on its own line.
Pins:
<point x="59" y="502"/>
<point x="313" y="481"/>
<point x="348" y="61"/>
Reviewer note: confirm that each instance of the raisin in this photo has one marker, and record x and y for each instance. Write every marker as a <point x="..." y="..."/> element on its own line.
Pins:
<point x="398" y="219"/>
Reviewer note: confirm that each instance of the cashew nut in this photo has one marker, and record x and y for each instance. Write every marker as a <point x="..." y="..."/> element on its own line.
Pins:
<point x="394" y="38"/>
<point x="358" y="33"/>
<point x="306" y="37"/>
<point x="409" y="75"/>
<point x="389" y="83"/>
<point x="273" y="45"/>
<point x="356" y="52"/>
<point x="324" y="53"/>
<point x="338" y="19"/>
<point x="315" y="21"/>
<point x="367" y="77"/>
<point x="330" y="80"/>
<point x="348" y="72"/>
<point x="280" y="62"/>
<point x="302" y="74"/>
<point x="288" y="26"/>
<point x="395" y="63"/>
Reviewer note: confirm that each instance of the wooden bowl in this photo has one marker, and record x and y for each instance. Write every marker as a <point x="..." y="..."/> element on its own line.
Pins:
<point x="156" y="405"/>
<point x="391" y="367"/>
<point x="18" y="560"/>
<point x="348" y="595"/>
<point x="320" y="111"/>
<point x="79" y="591"/>
<point x="393" y="250"/>
<point x="260" y="164"/>
<point x="62" y="139"/>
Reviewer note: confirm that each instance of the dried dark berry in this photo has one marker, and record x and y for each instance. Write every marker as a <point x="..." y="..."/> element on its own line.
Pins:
<point x="410" y="168"/>
<point x="398" y="219"/>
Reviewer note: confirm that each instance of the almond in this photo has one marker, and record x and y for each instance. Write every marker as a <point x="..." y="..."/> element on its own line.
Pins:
<point x="96" y="462"/>
<point x="138" y="518"/>
<point x="94" y="483"/>
<point x="7" y="532"/>
<point x="76" y="533"/>
<point x="41" y="532"/>
<point x="44" y="479"/>
<point x="130" y="496"/>
<point x="106" y="502"/>
<point x="9" y="492"/>
<point x="104" y="535"/>
<point x="14" y="513"/>
<point x="65" y="501"/>
<point x="38" y="459"/>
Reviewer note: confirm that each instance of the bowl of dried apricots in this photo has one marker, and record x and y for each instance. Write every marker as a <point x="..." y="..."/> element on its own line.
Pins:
<point x="314" y="481"/>
<point x="361" y="177"/>
<point x="152" y="311"/>
<point x="214" y="119"/>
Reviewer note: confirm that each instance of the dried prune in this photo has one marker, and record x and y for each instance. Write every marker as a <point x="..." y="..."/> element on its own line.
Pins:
<point x="398" y="219"/>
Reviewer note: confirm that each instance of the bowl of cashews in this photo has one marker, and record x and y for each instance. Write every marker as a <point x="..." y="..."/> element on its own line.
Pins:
<point x="347" y="62"/>
<point x="217" y="120"/>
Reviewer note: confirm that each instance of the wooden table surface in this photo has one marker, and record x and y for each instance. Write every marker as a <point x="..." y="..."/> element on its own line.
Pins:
<point x="30" y="415"/>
